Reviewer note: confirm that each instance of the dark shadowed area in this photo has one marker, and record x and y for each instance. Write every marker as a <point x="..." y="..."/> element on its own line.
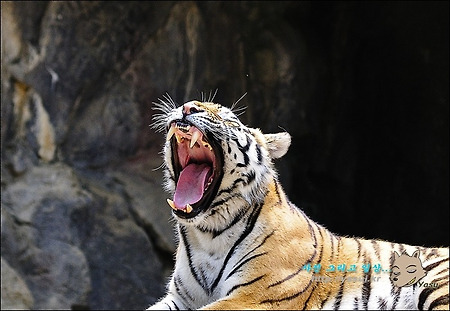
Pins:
<point x="362" y="87"/>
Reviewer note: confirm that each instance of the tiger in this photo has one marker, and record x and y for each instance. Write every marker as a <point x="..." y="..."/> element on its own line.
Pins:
<point x="241" y="244"/>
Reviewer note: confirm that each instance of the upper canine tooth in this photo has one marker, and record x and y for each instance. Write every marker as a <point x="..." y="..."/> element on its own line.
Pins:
<point x="170" y="133"/>
<point x="194" y="138"/>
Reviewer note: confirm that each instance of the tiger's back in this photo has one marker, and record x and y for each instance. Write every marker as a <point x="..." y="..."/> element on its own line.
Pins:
<point x="244" y="245"/>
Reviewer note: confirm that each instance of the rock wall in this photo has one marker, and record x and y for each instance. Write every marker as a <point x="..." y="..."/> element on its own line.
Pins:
<point x="362" y="88"/>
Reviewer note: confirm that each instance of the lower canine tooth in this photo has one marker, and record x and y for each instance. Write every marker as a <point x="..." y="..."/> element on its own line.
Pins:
<point x="188" y="208"/>
<point x="172" y="205"/>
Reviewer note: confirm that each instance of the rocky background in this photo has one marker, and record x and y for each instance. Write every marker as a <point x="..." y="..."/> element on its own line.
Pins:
<point x="363" y="87"/>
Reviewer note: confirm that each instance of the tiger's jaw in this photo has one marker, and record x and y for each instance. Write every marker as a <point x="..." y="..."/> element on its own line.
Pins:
<point x="197" y="163"/>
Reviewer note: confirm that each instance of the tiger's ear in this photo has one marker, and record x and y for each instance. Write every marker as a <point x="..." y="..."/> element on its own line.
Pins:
<point x="278" y="144"/>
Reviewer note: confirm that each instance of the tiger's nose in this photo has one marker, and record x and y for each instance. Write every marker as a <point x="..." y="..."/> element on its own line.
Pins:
<point x="190" y="108"/>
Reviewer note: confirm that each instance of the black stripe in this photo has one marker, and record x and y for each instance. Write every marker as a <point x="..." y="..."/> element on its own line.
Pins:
<point x="244" y="149"/>
<point x="259" y="154"/>
<point x="222" y="201"/>
<point x="305" y="306"/>
<point x="176" y="307"/>
<point x="441" y="301"/>
<point x="189" y="255"/>
<point x="382" y="304"/>
<point x="202" y="274"/>
<point x="290" y="276"/>
<point x="441" y="278"/>
<point x="332" y="244"/>
<point x="391" y="260"/>
<point x="321" y="249"/>
<point x="231" y="188"/>
<point x="311" y="230"/>
<point x="255" y="248"/>
<point x="313" y="233"/>
<point x="339" y="244"/>
<point x="337" y="302"/>
<point x="359" y="247"/>
<point x="396" y="293"/>
<point x="435" y="264"/>
<point x="216" y="232"/>
<point x="318" y="261"/>
<point x="245" y="284"/>
<point x="179" y="286"/>
<point x="366" y="289"/>
<point x="250" y="176"/>
<point x="392" y="246"/>
<point x="236" y="268"/>
<point x="325" y="300"/>
<point x="401" y="249"/>
<point x="236" y="219"/>
<point x="262" y="243"/>
<point x="288" y="297"/>
<point x="170" y="308"/>
<point x="432" y="253"/>
<point x="376" y="248"/>
<point x="422" y="250"/>
<point x="355" y="303"/>
<point x="277" y="191"/>
<point x="427" y="292"/>
<point x="249" y="227"/>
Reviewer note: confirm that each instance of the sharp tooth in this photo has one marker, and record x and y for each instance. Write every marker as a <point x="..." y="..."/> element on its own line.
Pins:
<point x="188" y="208"/>
<point x="172" y="205"/>
<point x="207" y="146"/>
<point x="194" y="138"/>
<point x="179" y="138"/>
<point x="171" y="132"/>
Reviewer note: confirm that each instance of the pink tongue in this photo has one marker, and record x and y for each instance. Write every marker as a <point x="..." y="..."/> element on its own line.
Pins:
<point x="191" y="184"/>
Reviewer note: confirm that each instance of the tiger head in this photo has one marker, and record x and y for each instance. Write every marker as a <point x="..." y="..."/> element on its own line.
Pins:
<point x="215" y="166"/>
<point x="407" y="270"/>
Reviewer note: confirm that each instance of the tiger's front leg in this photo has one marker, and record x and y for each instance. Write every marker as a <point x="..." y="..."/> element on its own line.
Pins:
<point x="169" y="302"/>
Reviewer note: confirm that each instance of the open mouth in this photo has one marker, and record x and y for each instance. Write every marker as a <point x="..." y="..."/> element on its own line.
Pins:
<point x="197" y="162"/>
